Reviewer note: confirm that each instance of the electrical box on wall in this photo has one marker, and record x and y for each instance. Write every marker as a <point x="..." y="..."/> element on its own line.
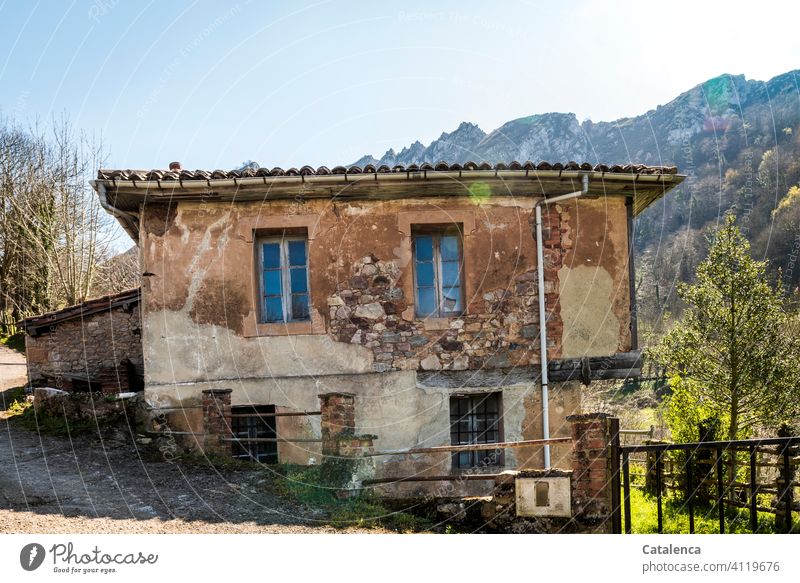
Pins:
<point x="545" y="496"/>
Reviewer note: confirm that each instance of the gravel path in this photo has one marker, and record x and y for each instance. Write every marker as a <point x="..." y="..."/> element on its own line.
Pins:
<point x="13" y="368"/>
<point x="87" y="485"/>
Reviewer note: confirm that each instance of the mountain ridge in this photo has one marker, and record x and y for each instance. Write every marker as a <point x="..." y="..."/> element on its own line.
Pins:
<point x="559" y="136"/>
<point x="736" y="140"/>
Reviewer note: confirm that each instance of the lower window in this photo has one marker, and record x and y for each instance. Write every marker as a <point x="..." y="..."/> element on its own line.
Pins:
<point x="476" y="419"/>
<point x="255" y="422"/>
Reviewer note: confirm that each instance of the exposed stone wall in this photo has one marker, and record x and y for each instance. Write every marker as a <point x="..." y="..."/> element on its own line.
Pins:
<point x="94" y="346"/>
<point x="499" y="329"/>
<point x="82" y="407"/>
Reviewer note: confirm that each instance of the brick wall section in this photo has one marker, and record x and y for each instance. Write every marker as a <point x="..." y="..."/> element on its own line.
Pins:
<point x="499" y="329"/>
<point x="94" y="345"/>
<point x="591" y="469"/>
<point x="217" y="421"/>
<point x="556" y="240"/>
<point x="338" y="420"/>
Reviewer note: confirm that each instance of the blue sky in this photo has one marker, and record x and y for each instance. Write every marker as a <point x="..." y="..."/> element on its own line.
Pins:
<point x="286" y="84"/>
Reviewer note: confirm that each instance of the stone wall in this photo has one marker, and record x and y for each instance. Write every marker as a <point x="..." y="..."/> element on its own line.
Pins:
<point x="94" y="346"/>
<point x="83" y="407"/>
<point x="499" y="329"/>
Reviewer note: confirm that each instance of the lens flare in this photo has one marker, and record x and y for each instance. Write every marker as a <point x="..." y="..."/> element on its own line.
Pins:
<point x="479" y="193"/>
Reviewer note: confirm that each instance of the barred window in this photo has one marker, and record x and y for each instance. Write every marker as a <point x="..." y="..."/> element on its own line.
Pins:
<point x="254" y="422"/>
<point x="476" y="419"/>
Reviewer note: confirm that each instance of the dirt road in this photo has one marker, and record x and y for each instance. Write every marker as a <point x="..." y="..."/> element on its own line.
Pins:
<point x="87" y="485"/>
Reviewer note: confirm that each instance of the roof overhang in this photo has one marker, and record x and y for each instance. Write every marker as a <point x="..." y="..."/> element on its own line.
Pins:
<point x="127" y="196"/>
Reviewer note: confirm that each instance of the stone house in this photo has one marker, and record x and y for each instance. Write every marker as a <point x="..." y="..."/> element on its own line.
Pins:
<point x="94" y="345"/>
<point x="415" y="289"/>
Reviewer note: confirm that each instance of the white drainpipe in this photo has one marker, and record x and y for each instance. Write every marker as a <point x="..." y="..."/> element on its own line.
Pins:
<point x="542" y="322"/>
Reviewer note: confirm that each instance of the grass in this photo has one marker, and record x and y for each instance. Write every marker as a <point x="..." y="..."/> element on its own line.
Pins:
<point x="20" y="410"/>
<point x="14" y="341"/>
<point x="644" y="517"/>
<point x="51" y="425"/>
<point x="312" y="486"/>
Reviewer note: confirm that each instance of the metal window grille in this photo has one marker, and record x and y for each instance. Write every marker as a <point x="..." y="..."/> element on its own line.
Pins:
<point x="254" y="422"/>
<point x="476" y="419"/>
<point x="284" y="279"/>
<point x="438" y="272"/>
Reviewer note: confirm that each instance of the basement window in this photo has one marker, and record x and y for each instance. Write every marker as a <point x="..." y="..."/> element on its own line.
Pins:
<point x="284" y="278"/>
<point x="438" y="272"/>
<point x="255" y="422"/>
<point x="475" y="419"/>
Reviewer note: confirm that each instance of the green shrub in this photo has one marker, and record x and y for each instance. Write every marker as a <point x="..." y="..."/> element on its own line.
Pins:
<point x="14" y="341"/>
<point x="317" y="487"/>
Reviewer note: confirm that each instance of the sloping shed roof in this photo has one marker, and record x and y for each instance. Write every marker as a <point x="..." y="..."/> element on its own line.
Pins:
<point x="36" y="324"/>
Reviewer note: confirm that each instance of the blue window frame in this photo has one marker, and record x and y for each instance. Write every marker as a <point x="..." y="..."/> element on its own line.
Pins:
<point x="284" y="279"/>
<point x="438" y="273"/>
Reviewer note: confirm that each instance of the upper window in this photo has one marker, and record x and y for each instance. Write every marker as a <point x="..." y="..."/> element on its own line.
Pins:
<point x="284" y="279"/>
<point x="438" y="272"/>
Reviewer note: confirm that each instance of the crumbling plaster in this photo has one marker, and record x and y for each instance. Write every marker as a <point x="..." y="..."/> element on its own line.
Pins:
<point x="201" y="330"/>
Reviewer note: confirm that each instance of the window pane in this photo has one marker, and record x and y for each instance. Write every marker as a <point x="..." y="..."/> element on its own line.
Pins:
<point x="297" y="253"/>
<point x="300" y="306"/>
<point x="451" y="274"/>
<point x="449" y="248"/>
<point x="424" y="274"/>
<point x="272" y="283"/>
<point x="426" y="301"/>
<point x="273" y="310"/>
<point x="272" y="255"/>
<point x="451" y="299"/>
<point x="423" y="245"/>
<point x="299" y="280"/>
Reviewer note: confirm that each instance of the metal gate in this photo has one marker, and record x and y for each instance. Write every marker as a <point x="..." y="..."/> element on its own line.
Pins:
<point x="702" y="470"/>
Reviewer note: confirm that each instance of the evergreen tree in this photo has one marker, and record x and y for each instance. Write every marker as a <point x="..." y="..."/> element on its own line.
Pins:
<point x="733" y="358"/>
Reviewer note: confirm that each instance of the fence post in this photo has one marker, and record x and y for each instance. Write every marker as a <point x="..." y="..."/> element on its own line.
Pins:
<point x="616" y="514"/>
<point x="650" y="478"/>
<point x="343" y="463"/>
<point x="783" y="517"/>
<point x="592" y="473"/>
<point x="217" y="421"/>
<point x="703" y="460"/>
<point x="338" y="419"/>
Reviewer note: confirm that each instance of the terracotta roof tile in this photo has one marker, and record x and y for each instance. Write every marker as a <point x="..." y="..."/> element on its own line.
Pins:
<point x="441" y="166"/>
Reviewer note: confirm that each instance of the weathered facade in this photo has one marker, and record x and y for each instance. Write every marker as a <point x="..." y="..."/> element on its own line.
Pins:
<point x="416" y="291"/>
<point x="96" y="344"/>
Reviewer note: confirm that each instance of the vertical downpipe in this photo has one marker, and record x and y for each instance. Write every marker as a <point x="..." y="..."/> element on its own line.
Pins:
<point x="542" y="336"/>
<point x="542" y="316"/>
